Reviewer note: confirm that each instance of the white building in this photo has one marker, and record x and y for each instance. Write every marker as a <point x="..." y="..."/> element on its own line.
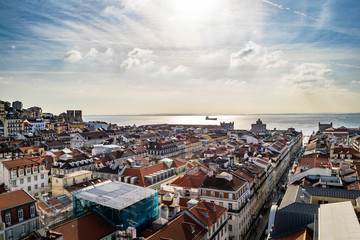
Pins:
<point x="231" y="191"/>
<point x="26" y="174"/>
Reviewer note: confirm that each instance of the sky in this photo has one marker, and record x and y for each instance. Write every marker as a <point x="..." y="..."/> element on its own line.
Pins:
<point x="181" y="56"/>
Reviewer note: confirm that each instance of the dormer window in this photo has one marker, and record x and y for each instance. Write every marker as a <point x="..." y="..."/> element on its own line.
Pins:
<point x="8" y="218"/>
<point x="230" y="196"/>
<point x="21" y="214"/>
<point x="21" y="172"/>
<point x="32" y="210"/>
<point x="35" y="169"/>
<point x="221" y="195"/>
<point x="28" y="171"/>
<point x="41" y="168"/>
<point x="212" y="194"/>
<point x="13" y="173"/>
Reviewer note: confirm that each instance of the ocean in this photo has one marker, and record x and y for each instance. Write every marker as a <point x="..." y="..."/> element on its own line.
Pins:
<point x="307" y="123"/>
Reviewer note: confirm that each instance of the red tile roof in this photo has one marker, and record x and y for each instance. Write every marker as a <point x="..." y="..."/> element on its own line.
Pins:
<point x="317" y="162"/>
<point x="88" y="227"/>
<point x="181" y="228"/>
<point x="20" y="163"/>
<point x="190" y="181"/>
<point x="141" y="172"/>
<point x="209" y="213"/>
<point x="14" y="198"/>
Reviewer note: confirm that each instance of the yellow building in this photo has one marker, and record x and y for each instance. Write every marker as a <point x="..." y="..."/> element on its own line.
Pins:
<point x="59" y="183"/>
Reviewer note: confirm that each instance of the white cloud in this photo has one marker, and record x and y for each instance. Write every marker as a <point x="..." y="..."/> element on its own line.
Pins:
<point x="130" y="63"/>
<point x="91" y="54"/>
<point x="109" y="52"/>
<point x="232" y="82"/>
<point x="138" y="52"/>
<point x="73" y="56"/>
<point x="255" y="55"/>
<point x="310" y="77"/>
<point x="13" y="47"/>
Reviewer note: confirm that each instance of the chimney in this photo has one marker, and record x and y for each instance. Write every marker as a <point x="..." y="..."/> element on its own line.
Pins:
<point x="192" y="203"/>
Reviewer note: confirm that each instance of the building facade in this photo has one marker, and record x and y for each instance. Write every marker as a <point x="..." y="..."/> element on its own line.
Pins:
<point x="29" y="175"/>
<point x="19" y="215"/>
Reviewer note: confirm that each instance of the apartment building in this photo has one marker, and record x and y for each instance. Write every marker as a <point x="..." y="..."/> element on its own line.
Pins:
<point x="19" y="215"/>
<point x="26" y="174"/>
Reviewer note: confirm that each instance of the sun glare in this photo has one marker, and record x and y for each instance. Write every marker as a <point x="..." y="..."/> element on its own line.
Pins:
<point x="194" y="10"/>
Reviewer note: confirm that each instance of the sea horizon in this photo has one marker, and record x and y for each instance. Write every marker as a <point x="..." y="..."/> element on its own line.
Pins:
<point x="217" y="114"/>
<point x="307" y="123"/>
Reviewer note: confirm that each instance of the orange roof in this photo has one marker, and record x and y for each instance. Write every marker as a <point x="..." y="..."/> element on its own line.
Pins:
<point x="178" y="163"/>
<point x="143" y="171"/>
<point x="181" y="228"/>
<point x="317" y="162"/>
<point x="19" y="163"/>
<point x="14" y="198"/>
<point x="190" y="181"/>
<point x="87" y="227"/>
<point x="209" y="213"/>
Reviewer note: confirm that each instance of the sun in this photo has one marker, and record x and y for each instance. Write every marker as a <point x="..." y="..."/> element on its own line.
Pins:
<point x="194" y="10"/>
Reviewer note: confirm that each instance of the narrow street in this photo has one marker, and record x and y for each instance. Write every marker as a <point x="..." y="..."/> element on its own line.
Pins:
<point x="258" y="230"/>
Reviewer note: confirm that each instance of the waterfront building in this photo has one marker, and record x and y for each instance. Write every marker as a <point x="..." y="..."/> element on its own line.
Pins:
<point x="258" y="127"/>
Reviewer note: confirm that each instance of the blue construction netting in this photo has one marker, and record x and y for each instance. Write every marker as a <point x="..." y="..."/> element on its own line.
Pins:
<point x="140" y="215"/>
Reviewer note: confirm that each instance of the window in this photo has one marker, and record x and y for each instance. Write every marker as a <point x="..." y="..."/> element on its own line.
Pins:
<point x="29" y="179"/>
<point x="230" y="196"/>
<point x="22" y="181"/>
<point x="23" y="230"/>
<point x="230" y="206"/>
<point x="221" y="204"/>
<point x="221" y="195"/>
<point x="29" y="188"/>
<point x="35" y="170"/>
<point x="21" y="172"/>
<point x="42" y="185"/>
<point x="10" y="234"/>
<point x="32" y="210"/>
<point x="35" y="178"/>
<point x="13" y="173"/>
<point x="36" y="186"/>
<point x="21" y="214"/>
<point x="230" y="227"/>
<point x="41" y="168"/>
<point x="28" y="171"/>
<point x="42" y="176"/>
<point x="320" y="202"/>
<point x="8" y="218"/>
<point x="14" y="183"/>
<point x="212" y="194"/>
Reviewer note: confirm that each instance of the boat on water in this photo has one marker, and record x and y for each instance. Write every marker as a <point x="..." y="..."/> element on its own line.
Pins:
<point x="209" y="118"/>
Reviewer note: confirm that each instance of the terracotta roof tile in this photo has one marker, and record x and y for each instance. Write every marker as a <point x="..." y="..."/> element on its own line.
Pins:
<point x="14" y="198"/>
<point x="87" y="227"/>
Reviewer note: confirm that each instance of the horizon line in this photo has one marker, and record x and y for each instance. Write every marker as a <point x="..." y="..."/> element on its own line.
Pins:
<point x="202" y="114"/>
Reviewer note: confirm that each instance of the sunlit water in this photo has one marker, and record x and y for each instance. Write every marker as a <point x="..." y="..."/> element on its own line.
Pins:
<point x="307" y="123"/>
